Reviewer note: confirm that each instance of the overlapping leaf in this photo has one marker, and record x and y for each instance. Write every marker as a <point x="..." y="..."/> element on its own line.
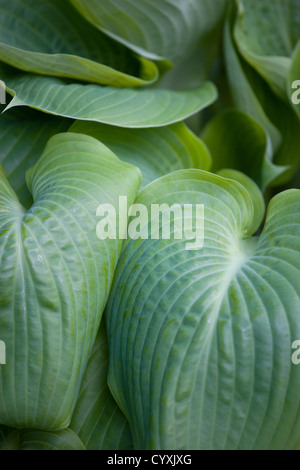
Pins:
<point x="254" y="96"/>
<point x="157" y="29"/>
<point x="266" y="34"/>
<point x="243" y="95"/>
<point x="127" y="107"/>
<point x="200" y="341"/>
<point x="253" y="190"/>
<point x="155" y="151"/>
<point x="49" y="37"/>
<point x="242" y="144"/>
<point x="199" y="338"/>
<point x="55" y="277"/>
<point x="97" y="419"/>
<point x="15" y="439"/>
<point x="23" y="136"/>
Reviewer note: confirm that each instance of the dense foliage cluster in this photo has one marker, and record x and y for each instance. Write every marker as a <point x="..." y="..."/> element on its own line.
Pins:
<point x="140" y="343"/>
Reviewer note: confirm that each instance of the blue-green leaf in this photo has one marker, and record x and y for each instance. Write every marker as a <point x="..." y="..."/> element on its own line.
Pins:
<point x="49" y="37"/>
<point x="155" y="151"/>
<point x="200" y="340"/>
<point x="97" y="419"/>
<point x="23" y="137"/>
<point x="55" y="276"/>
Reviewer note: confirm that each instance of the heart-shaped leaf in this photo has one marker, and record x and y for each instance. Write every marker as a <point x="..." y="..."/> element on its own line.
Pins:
<point x="55" y="276"/>
<point x="200" y="340"/>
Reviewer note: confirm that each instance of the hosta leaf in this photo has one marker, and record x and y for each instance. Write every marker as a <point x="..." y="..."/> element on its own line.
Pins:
<point x="14" y="439"/>
<point x="119" y="107"/>
<point x="97" y="419"/>
<point x="253" y="95"/>
<point x="156" y="29"/>
<point x="242" y="144"/>
<point x="200" y="340"/>
<point x="23" y="136"/>
<point x="55" y="275"/>
<point x="266" y="34"/>
<point x="243" y="95"/>
<point x="253" y="191"/>
<point x="65" y="439"/>
<point x="155" y="151"/>
<point x="49" y="37"/>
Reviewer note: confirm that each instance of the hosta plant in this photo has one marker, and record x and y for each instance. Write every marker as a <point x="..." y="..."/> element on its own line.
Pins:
<point x="171" y="321"/>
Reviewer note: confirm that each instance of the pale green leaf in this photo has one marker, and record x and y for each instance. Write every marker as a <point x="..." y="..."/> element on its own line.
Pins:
<point x="55" y="276"/>
<point x="126" y="107"/>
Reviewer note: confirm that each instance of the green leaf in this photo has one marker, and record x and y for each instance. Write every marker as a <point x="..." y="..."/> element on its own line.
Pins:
<point x="119" y="107"/>
<point x="154" y="29"/>
<point x="97" y="419"/>
<point x="253" y="95"/>
<point x="287" y="122"/>
<point x="243" y="95"/>
<point x="65" y="439"/>
<point x="235" y="140"/>
<point x="23" y="136"/>
<point x="200" y="340"/>
<point x="49" y="37"/>
<point x="155" y="151"/>
<point x="55" y="277"/>
<point x="266" y="34"/>
<point x="253" y="191"/>
<point x="15" y="439"/>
